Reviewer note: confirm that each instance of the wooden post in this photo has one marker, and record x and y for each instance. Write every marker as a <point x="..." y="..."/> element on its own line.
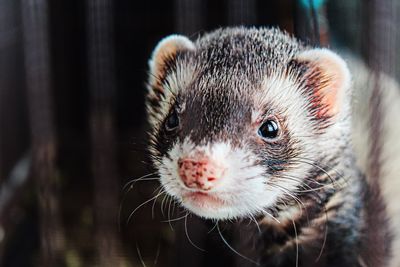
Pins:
<point x="43" y="136"/>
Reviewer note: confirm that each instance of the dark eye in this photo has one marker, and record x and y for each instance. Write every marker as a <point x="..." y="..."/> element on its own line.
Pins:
<point x="269" y="129"/>
<point x="172" y="121"/>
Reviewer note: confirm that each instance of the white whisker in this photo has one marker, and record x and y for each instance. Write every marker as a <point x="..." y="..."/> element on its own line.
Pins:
<point x="141" y="205"/>
<point x="140" y="256"/>
<point x="271" y="216"/>
<point x="297" y="243"/>
<point x="255" y="221"/>
<point x="169" y="214"/>
<point x="157" y="254"/>
<point x="175" y="219"/>
<point x="143" y="178"/>
<point x="187" y="235"/>
<point x="231" y="248"/>
<point x="325" y="236"/>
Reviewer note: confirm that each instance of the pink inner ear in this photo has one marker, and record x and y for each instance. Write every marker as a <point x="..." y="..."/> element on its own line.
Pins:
<point x="329" y="78"/>
<point x="326" y="96"/>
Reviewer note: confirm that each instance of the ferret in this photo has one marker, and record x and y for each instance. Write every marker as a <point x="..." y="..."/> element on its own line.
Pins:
<point x="252" y="123"/>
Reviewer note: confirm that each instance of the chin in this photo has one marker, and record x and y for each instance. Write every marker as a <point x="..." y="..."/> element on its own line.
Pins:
<point x="209" y="212"/>
<point x="208" y="206"/>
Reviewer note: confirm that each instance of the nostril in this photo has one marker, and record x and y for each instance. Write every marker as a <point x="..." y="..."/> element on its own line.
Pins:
<point x="180" y="163"/>
<point x="211" y="179"/>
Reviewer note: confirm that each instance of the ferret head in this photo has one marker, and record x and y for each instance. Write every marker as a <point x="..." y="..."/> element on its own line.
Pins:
<point x="241" y="117"/>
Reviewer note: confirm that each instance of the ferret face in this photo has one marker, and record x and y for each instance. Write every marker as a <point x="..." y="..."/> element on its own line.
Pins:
<point x="237" y="127"/>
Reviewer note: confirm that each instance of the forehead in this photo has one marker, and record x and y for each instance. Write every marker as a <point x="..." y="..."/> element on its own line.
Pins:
<point x="214" y="115"/>
<point x="236" y="61"/>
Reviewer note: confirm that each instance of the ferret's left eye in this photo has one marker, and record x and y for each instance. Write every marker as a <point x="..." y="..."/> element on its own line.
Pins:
<point x="269" y="129"/>
<point x="172" y="121"/>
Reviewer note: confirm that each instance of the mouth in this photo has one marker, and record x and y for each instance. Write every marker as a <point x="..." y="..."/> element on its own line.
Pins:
<point x="203" y="200"/>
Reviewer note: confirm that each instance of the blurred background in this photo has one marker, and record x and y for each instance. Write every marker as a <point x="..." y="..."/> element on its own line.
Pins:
<point x="73" y="122"/>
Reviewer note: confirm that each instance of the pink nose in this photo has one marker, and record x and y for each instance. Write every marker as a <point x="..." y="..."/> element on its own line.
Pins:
<point x="201" y="174"/>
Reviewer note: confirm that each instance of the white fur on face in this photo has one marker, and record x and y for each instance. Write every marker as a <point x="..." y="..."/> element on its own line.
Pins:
<point x="243" y="190"/>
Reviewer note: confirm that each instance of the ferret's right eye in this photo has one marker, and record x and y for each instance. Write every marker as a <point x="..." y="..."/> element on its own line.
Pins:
<point x="172" y="121"/>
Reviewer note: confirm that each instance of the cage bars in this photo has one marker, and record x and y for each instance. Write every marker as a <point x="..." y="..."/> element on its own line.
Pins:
<point x="101" y="75"/>
<point x="35" y="20"/>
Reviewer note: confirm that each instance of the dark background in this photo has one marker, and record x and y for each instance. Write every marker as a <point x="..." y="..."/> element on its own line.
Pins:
<point x="73" y="123"/>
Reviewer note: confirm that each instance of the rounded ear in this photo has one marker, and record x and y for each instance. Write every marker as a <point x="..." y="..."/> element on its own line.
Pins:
<point x="328" y="80"/>
<point x="162" y="57"/>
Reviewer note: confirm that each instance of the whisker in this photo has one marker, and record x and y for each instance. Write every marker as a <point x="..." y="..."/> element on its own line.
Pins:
<point x="122" y="203"/>
<point x="155" y="201"/>
<point x="175" y="219"/>
<point x="300" y="179"/>
<point x="173" y="207"/>
<point x="296" y="238"/>
<point x="340" y="175"/>
<point x="169" y="215"/>
<point x="215" y="225"/>
<point x="318" y="167"/>
<point x="325" y="236"/>
<point x="157" y="254"/>
<point x="140" y="255"/>
<point x="255" y="221"/>
<point x="250" y="165"/>
<point x="270" y="215"/>
<point x="133" y="181"/>
<point x="162" y="205"/>
<point x="187" y="235"/>
<point x="231" y="248"/>
<point x="120" y="211"/>
<point x="252" y="177"/>
<point x="141" y="205"/>
<point x="296" y="199"/>
<point x="297" y="243"/>
<point x="325" y="230"/>
<point x="310" y="189"/>
<point x="287" y="192"/>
